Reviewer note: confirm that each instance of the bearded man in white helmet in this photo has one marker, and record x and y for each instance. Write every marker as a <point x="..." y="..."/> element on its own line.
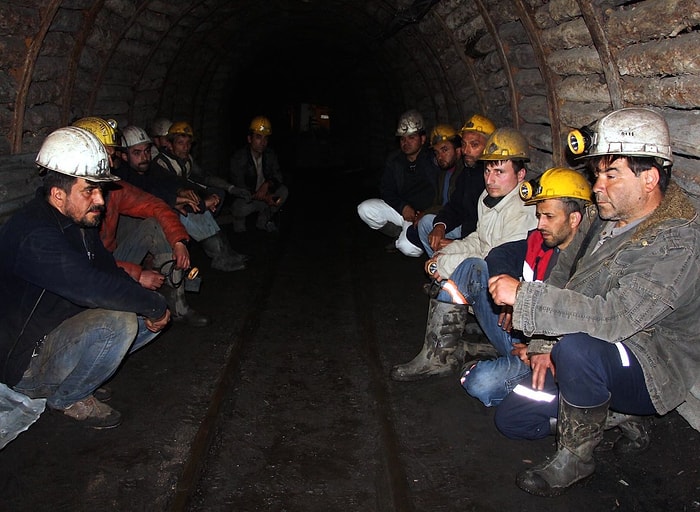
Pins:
<point x="68" y="314"/>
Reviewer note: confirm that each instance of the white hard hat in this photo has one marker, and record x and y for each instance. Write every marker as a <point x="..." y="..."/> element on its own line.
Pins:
<point x="133" y="136"/>
<point x="160" y="126"/>
<point x="629" y="131"/>
<point x="410" y="122"/>
<point x="76" y="152"/>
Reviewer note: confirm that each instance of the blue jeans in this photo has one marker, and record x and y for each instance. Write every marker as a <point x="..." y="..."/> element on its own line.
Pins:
<point x="425" y="226"/>
<point x="82" y="353"/>
<point x="489" y="381"/>
<point x="200" y="226"/>
<point x="137" y="237"/>
<point x="589" y="371"/>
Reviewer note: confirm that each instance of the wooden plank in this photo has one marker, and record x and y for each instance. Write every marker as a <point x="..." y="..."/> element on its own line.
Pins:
<point x="658" y="58"/>
<point x="678" y="92"/>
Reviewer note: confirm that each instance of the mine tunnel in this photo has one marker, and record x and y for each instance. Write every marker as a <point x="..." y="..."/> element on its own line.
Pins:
<point x="285" y="403"/>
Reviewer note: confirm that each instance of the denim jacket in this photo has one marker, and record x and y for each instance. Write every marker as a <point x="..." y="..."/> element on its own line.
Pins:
<point x="641" y="288"/>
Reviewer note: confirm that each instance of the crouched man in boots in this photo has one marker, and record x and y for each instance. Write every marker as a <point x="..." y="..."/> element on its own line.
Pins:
<point x="625" y="310"/>
<point x="68" y="314"/>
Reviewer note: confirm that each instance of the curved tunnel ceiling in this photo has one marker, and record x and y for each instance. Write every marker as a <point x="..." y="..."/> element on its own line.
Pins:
<point x="542" y="66"/>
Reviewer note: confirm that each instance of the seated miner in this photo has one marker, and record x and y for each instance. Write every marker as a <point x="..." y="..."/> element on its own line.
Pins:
<point x="447" y="149"/>
<point x="161" y="179"/>
<point x="408" y="186"/>
<point x="107" y="131"/>
<point x="622" y="303"/>
<point x="458" y="217"/>
<point x="138" y="224"/>
<point x="255" y="173"/>
<point x="127" y="206"/>
<point x="559" y="196"/>
<point x="68" y="314"/>
<point x="503" y="217"/>
<point x="158" y="131"/>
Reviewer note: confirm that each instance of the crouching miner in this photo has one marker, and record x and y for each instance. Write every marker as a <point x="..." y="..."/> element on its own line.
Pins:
<point x="625" y="311"/>
<point x="68" y="314"/>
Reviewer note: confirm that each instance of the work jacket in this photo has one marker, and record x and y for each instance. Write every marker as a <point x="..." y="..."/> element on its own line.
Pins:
<point x="50" y="270"/>
<point x="410" y="183"/>
<point x="641" y="288"/>
<point x="242" y="172"/>
<point x="126" y="199"/>
<point x="507" y="221"/>
<point x="462" y="208"/>
<point x="529" y="259"/>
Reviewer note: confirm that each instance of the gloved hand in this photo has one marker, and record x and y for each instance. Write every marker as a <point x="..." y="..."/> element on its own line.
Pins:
<point x="240" y="193"/>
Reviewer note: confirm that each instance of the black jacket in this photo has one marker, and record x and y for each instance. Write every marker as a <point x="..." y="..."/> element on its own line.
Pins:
<point x="461" y="209"/>
<point x="42" y="250"/>
<point x="410" y="183"/>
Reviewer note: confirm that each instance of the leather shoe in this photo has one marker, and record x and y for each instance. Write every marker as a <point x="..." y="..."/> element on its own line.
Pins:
<point x="93" y="413"/>
<point x="192" y="318"/>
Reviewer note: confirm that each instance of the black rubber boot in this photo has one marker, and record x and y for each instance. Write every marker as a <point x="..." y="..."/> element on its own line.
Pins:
<point x="391" y="230"/>
<point x="180" y="311"/>
<point x="440" y="354"/>
<point x="579" y="431"/>
<point x="635" y="433"/>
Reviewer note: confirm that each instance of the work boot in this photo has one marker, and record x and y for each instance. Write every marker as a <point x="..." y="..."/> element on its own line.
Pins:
<point x="223" y="257"/>
<point x="391" y="230"/>
<point x="93" y="413"/>
<point x="579" y="430"/>
<point x="442" y="349"/>
<point x="635" y="433"/>
<point x="180" y="311"/>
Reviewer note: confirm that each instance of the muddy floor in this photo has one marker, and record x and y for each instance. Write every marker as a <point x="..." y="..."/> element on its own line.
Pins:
<point x="285" y="402"/>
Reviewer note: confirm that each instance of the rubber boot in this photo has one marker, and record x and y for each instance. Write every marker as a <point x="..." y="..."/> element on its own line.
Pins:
<point x="442" y="347"/>
<point x="635" y="433"/>
<point x="391" y="230"/>
<point x="579" y="430"/>
<point x="180" y="311"/>
<point x="223" y="257"/>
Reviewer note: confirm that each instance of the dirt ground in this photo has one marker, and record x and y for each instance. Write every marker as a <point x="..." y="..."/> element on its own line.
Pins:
<point x="285" y="402"/>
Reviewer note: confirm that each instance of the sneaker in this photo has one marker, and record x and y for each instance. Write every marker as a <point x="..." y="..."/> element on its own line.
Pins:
<point x="93" y="413"/>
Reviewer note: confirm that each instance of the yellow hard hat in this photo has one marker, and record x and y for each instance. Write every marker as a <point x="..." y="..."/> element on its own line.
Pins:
<point x="180" y="128"/>
<point x="557" y="182"/>
<point x="506" y="144"/>
<point x="106" y="130"/>
<point x="480" y="124"/>
<point x="441" y="133"/>
<point x="261" y="125"/>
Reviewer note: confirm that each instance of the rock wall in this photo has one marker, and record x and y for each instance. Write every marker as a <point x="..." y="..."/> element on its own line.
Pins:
<point x="543" y="67"/>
